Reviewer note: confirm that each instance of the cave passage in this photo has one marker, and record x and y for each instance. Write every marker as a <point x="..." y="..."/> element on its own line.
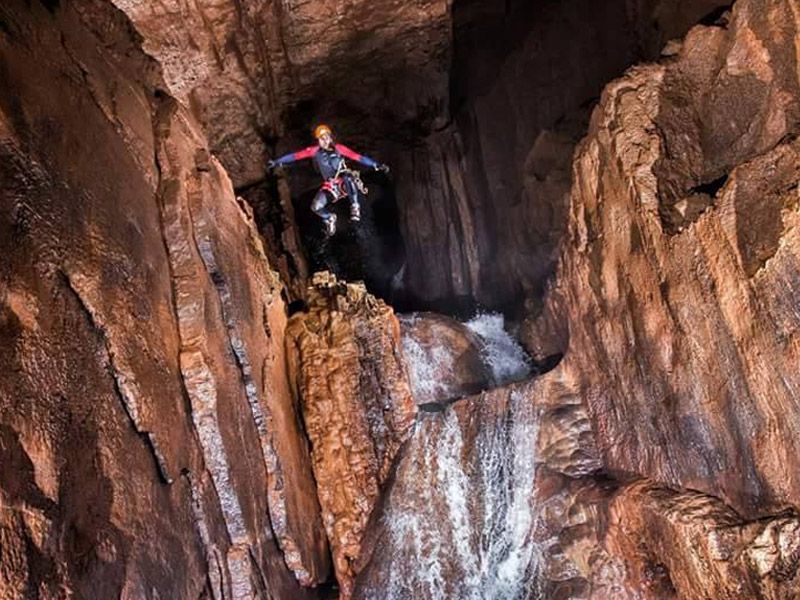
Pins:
<point x="480" y="143"/>
<point x="187" y="412"/>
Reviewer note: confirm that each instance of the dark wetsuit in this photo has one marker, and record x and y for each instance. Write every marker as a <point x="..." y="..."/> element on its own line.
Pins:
<point x="327" y="163"/>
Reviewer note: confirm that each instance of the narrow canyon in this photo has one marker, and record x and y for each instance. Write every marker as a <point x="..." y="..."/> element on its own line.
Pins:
<point x="552" y="361"/>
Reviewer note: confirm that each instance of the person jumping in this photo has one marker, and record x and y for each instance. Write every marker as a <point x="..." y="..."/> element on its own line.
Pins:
<point x="340" y="181"/>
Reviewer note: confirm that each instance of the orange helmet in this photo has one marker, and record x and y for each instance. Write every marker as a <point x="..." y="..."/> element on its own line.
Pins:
<point x="319" y="130"/>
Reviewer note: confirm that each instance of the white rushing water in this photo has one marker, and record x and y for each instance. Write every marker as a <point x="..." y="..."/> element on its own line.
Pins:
<point x="504" y="358"/>
<point x="424" y="366"/>
<point x="459" y="519"/>
<point x="502" y="353"/>
<point x="460" y="525"/>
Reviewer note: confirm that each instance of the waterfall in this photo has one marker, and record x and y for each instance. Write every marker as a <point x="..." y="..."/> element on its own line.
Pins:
<point x="502" y="353"/>
<point x="432" y="366"/>
<point x="458" y="521"/>
<point x="425" y="366"/>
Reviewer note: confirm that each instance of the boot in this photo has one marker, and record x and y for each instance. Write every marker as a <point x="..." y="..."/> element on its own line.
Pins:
<point x="330" y="225"/>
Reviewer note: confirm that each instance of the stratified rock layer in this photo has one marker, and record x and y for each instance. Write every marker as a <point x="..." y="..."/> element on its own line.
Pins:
<point x="345" y="361"/>
<point x="149" y="441"/>
<point x="679" y="281"/>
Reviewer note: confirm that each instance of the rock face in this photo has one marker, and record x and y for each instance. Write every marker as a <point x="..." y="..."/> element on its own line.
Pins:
<point x="502" y="495"/>
<point x="149" y="441"/>
<point x="345" y="362"/>
<point x="687" y="545"/>
<point x="678" y="282"/>
<point x="166" y="432"/>
<point x="260" y="75"/>
<point x="443" y="357"/>
<point x="484" y="203"/>
<point x="249" y="70"/>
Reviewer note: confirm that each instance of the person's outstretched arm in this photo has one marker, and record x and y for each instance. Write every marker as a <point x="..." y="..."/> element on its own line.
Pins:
<point x="288" y="159"/>
<point x="360" y="158"/>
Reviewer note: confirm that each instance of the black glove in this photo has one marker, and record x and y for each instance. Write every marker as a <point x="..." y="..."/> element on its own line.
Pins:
<point x="382" y="168"/>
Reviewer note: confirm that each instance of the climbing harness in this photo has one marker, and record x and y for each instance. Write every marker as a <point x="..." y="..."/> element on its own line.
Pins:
<point x="335" y="185"/>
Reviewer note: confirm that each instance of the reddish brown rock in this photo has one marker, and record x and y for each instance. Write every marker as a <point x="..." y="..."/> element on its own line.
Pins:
<point x="245" y="69"/>
<point x="443" y="358"/>
<point x="260" y="75"/>
<point x="250" y="324"/>
<point x="149" y="442"/>
<point x="484" y="203"/>
<point x="345" y="362"/>
<point x="681" y="321"/>
<point x="687" y="545"/>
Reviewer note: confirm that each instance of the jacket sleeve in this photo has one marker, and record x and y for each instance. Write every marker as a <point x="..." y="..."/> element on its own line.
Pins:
<point x="353" y="155"/>
<point x="287" y="159"/>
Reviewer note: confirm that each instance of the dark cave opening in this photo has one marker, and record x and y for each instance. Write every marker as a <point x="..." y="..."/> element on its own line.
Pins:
<point x="371" y="250"/>
<point x="520" y="96"/>
<point x="525" y="78"/>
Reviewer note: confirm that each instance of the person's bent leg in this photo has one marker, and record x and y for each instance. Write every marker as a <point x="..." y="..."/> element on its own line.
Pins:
<point x="353" y="195"/>
<point x="320" y="207"/>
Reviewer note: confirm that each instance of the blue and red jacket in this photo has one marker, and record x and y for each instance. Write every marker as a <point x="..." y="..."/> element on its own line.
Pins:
<point x="327" y="161"/>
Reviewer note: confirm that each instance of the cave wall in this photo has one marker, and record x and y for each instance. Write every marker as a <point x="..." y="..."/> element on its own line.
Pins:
<point x="519" y="105"/>
<point x="476" y="105"/>
<point x="153" y="433"/>
<point x="149" y="440"/>
<point x="260" y="75"/>
<point x="678" y="282"/>
<point x="257" y="72"/>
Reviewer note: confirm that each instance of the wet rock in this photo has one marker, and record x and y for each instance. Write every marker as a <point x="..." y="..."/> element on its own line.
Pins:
<point x="149" y="440"/>
<point x="443" y="358"/>
<point x="348" y="373"/>
<point x="456" y="520"/>
<point x="471" y="511"/>
<point x="689" y="333"/>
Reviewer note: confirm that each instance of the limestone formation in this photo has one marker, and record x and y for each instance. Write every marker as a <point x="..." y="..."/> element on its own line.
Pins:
<point x="689" y="545"/>
<point x="347" y="370"/>
<point x="149" y="441"/>
<point x="167" y="430"/>
<point x="681" y="323"/>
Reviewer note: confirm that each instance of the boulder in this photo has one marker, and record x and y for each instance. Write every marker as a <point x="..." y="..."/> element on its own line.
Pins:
<point x="443" y="358"/>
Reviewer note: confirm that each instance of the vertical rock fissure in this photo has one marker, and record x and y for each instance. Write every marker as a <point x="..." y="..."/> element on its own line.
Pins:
<point x="218" y="581"/>
<point x="261" y="415"/>
<point x="198" y="378"/>
<point x="124" y="380"/>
